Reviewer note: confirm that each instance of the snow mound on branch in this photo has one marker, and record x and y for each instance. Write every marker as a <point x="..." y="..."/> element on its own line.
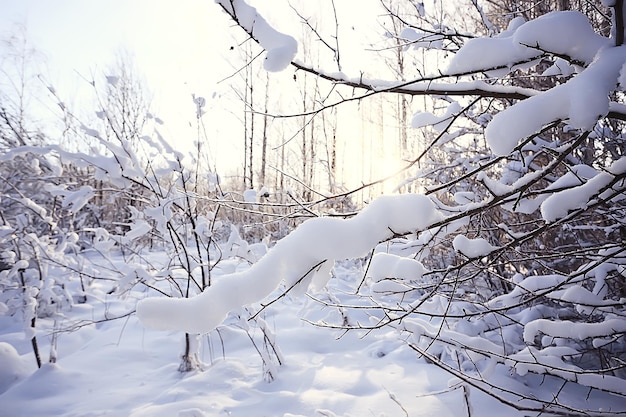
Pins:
<point x="74" y="200"/>
<point x="559" y="204"/>
<point x="524" y="41"/>
<point x="560" y="68"/>
<point x="472" y="248"/>
<point x="582" y="100"/>
<point x="390" y="274"/>
<point x="281" y="48"/>
<point x="250" y="196"/>
<point x="419" y="40"/>
<point x="490" y="53"/>
<point x="386" y="265"/>
<point x="303" y="259"/>
<point x="576" y="38"/>
<point x="574" y="330"/>
<point x="577" y="175"/>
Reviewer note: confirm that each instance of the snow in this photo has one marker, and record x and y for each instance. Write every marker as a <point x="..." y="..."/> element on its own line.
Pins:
<point x="250" y="196"/>
<point x="439" y="123"/>
<point x="13" y="367"/>
<point x="392" y="274"/>
<point x="281" y="49"/>
<point x="91" y="132"/>
<point x="74" y="200"/>
<point x="526" y="286"/>
<point x="419" y="40"/>
<point x="577" y="39"/>
<point x="524" y="41"/>
<point x="472" y="248"/>
<point x="265" y="349"/>
<point x="304" y="258"/>
<point x="574" y="330"/>
<point x="582" y="100"/>
<point x="120" y="368"/>
<point x="576" y="176"/>
<point x="385" y="265"/>
<point x="137" y="229"/>
<point x="579" y="295"/>
<point x="561" y="68"/>
<point x="112" y="79"/>
<point x="618" y="167"/>
<point x="560" y="203"/>
<point x="464" y="197"/>
<point x="489" y="53"/>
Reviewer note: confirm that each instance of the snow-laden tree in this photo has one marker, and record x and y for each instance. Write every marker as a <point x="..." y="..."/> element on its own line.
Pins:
<point x="513" y="260"/>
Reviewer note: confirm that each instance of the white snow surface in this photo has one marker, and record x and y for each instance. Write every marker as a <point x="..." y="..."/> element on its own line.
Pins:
<point x="120" y="368"/>
<point x="13" y="367"/>
<point x="301" y="260"/>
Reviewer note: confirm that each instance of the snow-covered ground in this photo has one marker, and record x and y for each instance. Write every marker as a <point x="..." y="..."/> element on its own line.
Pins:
<point x="120" y="368"/>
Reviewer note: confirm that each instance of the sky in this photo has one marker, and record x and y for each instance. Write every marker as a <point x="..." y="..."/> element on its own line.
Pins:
<point x="173" y="45"/>
<point x="169" y="41"/>
<point x="182" y="48"/>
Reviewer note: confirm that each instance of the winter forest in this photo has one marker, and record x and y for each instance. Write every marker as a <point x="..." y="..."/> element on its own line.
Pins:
<point x="383" y="208"/>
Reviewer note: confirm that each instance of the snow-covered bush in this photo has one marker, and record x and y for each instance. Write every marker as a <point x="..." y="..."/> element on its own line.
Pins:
<point x="36" y="233"/>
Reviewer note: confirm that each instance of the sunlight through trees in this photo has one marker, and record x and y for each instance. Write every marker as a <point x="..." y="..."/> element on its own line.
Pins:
<point x="451" y="176"/>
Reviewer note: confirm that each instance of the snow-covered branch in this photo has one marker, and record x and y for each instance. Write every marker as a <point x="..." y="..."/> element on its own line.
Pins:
<point x="281" y="48"/>
<point x="317" y="240"/>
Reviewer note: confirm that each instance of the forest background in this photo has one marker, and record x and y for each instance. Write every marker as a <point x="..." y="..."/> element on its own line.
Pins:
<point x="498" y="130"/>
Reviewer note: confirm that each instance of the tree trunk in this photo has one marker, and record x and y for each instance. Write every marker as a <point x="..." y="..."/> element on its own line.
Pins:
<point x="264" y="143"/>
